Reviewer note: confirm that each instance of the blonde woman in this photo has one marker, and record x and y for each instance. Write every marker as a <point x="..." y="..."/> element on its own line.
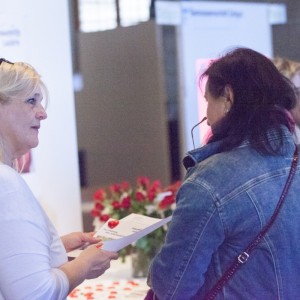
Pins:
<point x="33" y="259"/>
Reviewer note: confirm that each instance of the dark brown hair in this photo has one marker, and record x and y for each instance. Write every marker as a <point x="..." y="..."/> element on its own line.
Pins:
<point x="261" y="97"/>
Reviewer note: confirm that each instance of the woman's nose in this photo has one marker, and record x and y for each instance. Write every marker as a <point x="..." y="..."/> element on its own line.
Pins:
<point x="41" y="113"/>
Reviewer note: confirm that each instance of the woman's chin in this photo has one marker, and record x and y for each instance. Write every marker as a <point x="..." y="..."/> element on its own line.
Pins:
<point x="32" y="144"/>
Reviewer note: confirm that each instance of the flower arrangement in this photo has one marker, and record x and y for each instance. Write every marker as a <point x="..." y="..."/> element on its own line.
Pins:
<point x="146" y="197"/>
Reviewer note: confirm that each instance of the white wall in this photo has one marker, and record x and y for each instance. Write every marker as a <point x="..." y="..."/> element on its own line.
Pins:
<point x="37" y="32"/>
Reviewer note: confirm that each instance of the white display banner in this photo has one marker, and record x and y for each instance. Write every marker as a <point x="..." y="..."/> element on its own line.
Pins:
<point x="37" y="32"/>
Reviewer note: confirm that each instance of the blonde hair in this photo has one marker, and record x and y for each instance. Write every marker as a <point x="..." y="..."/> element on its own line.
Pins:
<point x="291" y="70"/>
<point x="287" y="67"/>
<point x="19" y="80"/>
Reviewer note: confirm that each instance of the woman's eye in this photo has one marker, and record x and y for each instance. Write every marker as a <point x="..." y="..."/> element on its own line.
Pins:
<point x="31" y="101"/>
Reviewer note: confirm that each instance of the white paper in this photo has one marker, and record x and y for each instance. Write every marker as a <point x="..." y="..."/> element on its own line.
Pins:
<point x="125" y="232"/>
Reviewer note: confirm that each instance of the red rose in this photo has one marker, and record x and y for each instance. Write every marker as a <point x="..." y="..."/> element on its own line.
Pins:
<point x="154" y="189"/>
<point x="115" y="188"/>
<point x="174" y="187"/>
<point x="116" y="205"/>
<point x="156" y="185"/>
<point x="166" y="202"/>
<point x="99" y="195"/>
<point x="139" y="196"/>
<point x="95" y="212"/>
<point x="143" y="181"/>
<point x="99" y="206"/>
<point x="126" y="202"/>
<point x="104" y="218"/>
<point x="125" y="186"/>
<point x="151" y="195"/>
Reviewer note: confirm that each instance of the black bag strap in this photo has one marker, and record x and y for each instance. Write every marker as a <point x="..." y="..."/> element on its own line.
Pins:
<point x="243" y="257"/>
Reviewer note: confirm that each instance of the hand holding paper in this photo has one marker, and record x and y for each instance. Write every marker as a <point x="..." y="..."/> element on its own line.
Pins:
<point x="117" y="234"/>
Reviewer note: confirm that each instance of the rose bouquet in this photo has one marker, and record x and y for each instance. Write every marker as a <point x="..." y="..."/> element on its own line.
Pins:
<point x="146" y="197"/>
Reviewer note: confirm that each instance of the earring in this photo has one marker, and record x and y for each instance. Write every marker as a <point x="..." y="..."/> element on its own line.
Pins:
<point x="226" y="109"/>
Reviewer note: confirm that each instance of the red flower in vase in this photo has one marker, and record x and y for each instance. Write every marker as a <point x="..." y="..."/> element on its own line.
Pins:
<point x="146" y="197"/>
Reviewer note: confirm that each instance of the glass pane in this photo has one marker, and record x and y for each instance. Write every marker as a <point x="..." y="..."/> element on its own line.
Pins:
<point x="97" y="15"/>
<point x="134" y="11"/>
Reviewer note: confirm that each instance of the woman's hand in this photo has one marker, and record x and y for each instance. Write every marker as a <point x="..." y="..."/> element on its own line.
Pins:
<point x="98" y="260"/>
<point x="75" y="240"/>
<point x="91" y="263"/>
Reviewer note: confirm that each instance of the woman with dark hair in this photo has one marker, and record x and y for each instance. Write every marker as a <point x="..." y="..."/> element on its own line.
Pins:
<point x="231" y="190"/>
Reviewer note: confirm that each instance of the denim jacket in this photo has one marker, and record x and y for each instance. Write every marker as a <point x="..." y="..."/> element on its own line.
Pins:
<point x="224" y="201"/>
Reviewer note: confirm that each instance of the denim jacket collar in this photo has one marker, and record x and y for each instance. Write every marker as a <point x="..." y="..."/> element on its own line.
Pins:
<point x="197" y="155"/>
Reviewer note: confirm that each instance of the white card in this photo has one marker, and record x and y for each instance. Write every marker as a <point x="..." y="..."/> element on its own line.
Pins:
<point x="117" y="234"/>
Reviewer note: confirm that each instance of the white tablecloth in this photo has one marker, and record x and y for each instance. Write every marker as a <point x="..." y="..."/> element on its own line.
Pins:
<point x="117" y="283"/>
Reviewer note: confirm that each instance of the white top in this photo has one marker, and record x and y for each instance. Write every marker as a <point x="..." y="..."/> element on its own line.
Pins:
<point x="30" y="249"/>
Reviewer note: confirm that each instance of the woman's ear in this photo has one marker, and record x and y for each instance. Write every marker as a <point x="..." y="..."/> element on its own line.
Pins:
<point x="229" y="97"/>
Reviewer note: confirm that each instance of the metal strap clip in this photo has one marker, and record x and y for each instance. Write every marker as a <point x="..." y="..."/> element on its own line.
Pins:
<point x="243" y="257"/>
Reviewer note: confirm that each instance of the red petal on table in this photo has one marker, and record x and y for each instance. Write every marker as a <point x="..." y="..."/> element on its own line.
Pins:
<point x="133" y="283"/>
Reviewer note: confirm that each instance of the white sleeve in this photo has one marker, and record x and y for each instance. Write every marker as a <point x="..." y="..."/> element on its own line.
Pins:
<point x="25" y="251"/>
